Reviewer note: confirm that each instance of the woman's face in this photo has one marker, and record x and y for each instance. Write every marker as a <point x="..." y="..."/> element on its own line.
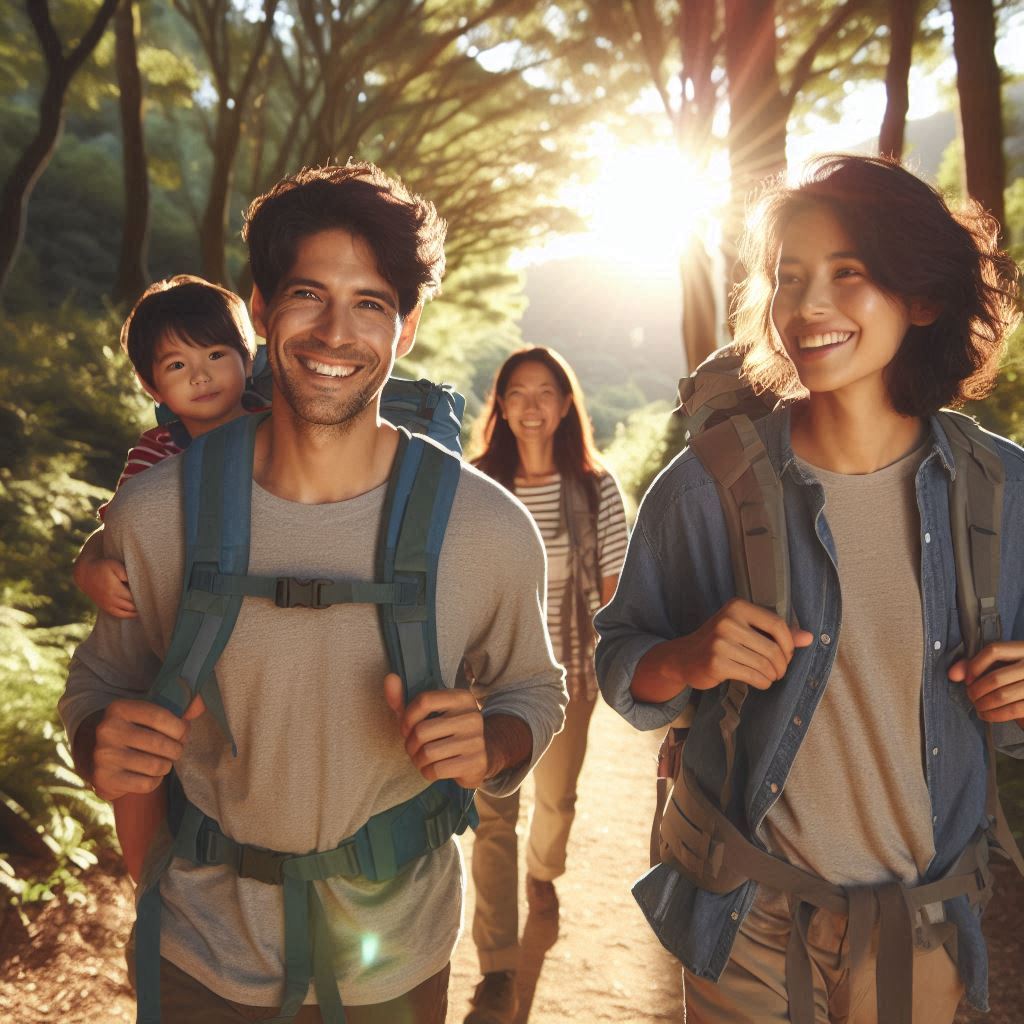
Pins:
<point x="533" y="403"/>
<point x="840" y="329"/>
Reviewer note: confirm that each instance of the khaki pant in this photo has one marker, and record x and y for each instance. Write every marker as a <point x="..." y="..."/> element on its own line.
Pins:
<point x="183" y="1000"/>
<point x="495" y="854"/>
<point x="752" y="988"/>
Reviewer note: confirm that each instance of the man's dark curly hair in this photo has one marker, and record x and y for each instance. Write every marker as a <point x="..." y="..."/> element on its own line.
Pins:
<point x="915" y="249"/>
<point x="403" y="230"/>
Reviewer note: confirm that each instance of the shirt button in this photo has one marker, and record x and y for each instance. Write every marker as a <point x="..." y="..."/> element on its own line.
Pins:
<point x="735" y="916"/>
<point x="797" y="720"/>
<point x="935" y="751"/>
<point x="814" y="684"/>
<point x="774" y="787"/>
<point x="937" y="645"/>
<point x="935" y="820"/>
<point x="927" y="538"/>
<point x="826" y="639"/>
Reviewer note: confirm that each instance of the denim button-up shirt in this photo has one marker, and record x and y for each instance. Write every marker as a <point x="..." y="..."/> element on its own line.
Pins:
<point x="678" y="574"/>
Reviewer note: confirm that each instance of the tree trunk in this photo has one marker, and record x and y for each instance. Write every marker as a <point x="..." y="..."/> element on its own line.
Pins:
<point x="36" y="155"/>
<point x="700" y="320"/>
<point x="978" y="84"/>
<point x="758" y="108"/>
<point x="22" y="179"/>
<point x="214" y="225"/>
<point x="902" y="25"/>
<point x="132" y="273"/>
<point x="758" y="112"/>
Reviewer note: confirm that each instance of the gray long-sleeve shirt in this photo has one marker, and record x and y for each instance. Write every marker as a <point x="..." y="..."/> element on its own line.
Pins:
<point x="319" y="750"/>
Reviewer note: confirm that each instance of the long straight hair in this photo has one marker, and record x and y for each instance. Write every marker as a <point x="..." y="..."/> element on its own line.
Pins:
<point x="575" y="453"/>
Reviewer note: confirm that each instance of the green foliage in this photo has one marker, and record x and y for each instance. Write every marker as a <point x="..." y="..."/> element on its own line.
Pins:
<point x="70" y="411"/>
<point x="640" y="448"/>
<point x="46" y="812"/>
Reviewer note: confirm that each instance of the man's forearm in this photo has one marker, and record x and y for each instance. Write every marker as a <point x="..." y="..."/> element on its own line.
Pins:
<point x="508" y="741"/>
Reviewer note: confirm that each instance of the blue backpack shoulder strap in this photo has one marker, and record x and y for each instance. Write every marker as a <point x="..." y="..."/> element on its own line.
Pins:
<point x="217" y="491"/>
<point x="416" y="511"/>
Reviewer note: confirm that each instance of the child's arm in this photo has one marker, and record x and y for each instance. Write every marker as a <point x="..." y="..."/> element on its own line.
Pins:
<point x="137" y="817"/>
<point x="103" y="580"/>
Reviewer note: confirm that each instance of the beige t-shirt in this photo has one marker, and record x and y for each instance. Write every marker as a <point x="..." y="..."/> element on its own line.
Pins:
<point x="855" y="809"/>
<point x="319" y="751"/>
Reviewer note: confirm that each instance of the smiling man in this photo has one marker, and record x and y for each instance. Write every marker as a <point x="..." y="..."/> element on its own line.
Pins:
<point x="343" y="259"/>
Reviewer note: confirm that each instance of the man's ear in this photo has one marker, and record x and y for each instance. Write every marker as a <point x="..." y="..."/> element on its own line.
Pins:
<point x="407" y="335"/>
<point x="259" y="313"/>
<point x="924" y="312"/>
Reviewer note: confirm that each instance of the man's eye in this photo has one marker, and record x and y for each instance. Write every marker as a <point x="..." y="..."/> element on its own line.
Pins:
<point x="304" y="293"/>
<point x="371" y="304"/>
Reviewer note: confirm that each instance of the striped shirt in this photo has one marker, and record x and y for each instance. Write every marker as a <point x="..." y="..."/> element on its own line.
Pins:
<point x="542" y="502"/>
<point x="153" y="446"/>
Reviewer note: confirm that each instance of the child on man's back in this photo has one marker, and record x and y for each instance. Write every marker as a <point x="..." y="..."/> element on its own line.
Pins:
<point x="192" y="345"/>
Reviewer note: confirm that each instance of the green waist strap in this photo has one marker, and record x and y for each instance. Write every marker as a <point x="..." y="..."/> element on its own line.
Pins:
<point x="385" y="845"/>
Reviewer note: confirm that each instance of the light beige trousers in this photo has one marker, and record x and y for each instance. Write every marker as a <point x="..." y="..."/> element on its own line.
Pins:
<point x="752" y="988"/>
<point x="495" y="850"/>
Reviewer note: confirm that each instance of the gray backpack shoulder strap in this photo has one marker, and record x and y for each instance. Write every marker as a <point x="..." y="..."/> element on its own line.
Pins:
<point x="751" y="496"/>
<point x="975" y="517"/>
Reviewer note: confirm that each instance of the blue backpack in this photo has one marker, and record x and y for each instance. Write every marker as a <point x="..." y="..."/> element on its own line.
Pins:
<point x="217" y="487"/>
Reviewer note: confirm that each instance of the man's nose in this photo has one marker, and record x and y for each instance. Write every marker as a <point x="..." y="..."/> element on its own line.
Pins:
<point x="335" y="325"/>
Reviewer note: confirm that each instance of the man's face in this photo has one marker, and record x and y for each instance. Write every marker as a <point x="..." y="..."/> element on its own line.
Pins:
<point x="333" y="330"/>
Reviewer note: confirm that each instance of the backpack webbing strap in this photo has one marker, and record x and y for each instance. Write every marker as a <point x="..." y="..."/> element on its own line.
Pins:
<point x="706" y="847"/>
<point x="217" y="485"/>
<point x="380" y="850"/>
<point x="420" y="497"/>
<point x="578" y="506"/>
<point x="751" y="497"/>
<point x="976" y="512"/>
<point x="289" y="592"/>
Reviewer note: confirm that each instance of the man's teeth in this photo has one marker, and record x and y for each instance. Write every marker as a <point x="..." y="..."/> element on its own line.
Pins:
<point x="821" y="340"/>
<point x="328" y="369"/>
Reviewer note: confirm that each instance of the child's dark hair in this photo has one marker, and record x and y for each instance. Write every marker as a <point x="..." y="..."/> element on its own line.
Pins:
<point x="201" y="313"/>
<point x="403" y="230"/>
<point x="914" y="248"/>
<point x="575" y="452"/>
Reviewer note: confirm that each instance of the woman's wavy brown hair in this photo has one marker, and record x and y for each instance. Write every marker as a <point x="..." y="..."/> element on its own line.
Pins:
<point x="575" y="452"/>
<point x="914" y="248"/>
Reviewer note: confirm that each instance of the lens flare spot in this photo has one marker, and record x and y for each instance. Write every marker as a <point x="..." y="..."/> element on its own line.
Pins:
<point x="370" y="949"/>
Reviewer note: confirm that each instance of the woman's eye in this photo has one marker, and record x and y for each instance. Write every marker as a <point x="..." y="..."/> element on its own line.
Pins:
<point x="848" y="272"/>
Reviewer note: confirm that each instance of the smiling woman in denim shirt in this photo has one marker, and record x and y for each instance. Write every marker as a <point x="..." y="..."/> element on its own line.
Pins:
<point x="860" y="757"/>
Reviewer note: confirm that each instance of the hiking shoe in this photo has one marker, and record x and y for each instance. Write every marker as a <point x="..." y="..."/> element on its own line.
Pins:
<point x="541" y="896"/>
<point x="495" y="1000"/>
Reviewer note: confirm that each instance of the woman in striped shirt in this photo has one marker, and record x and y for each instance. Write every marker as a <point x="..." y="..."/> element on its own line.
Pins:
<point x="537" y="442"/>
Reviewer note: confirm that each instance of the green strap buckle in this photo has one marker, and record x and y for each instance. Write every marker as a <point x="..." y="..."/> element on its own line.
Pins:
<point x="294" y="593"/>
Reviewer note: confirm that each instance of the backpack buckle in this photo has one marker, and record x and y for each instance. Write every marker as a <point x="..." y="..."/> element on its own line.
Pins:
<point x="294" y="593"/>
<point x="264" y="865"/>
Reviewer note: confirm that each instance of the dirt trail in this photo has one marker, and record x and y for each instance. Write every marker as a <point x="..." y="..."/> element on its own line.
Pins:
<point x="599" y="963"/>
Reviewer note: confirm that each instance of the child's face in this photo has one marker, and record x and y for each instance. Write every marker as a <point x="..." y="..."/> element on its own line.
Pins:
<point x="201" y="386"/>
<point x="840" y="329"/>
